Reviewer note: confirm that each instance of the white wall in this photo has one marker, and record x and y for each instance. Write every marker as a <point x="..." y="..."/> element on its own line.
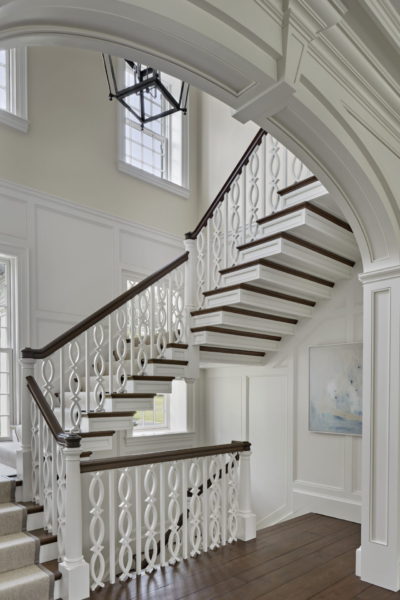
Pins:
<point x="72" y="259"/>
<point x="71" y="148"/>
<point x="223" y="141"/>
<point x="293" y="470"/>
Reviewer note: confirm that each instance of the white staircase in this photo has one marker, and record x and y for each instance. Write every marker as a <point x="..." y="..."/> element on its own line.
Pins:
<point x="270" y="247"/>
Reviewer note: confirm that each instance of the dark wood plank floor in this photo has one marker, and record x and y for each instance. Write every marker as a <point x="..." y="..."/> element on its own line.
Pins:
<point x="308" y="557"/>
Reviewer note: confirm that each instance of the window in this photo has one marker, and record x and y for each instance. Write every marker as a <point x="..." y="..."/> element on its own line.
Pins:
<point x="13" y="88"/>
<point x="158" y="154"/>
<point x="6" y="352"/>
<point x="156" y="417"/>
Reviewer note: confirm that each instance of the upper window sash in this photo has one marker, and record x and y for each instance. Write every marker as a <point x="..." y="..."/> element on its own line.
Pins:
<point x="13" y="88"/>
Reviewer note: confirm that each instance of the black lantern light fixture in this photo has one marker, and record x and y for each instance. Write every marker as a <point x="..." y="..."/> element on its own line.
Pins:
<point x="148" y="85"/>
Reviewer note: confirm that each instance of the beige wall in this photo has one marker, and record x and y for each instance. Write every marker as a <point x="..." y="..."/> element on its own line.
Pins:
<point x="71" y="148"/>
<point x="223" y="141"/>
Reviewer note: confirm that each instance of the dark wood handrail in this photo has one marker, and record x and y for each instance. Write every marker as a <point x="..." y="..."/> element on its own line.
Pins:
<point x="135" y="460"/>
<point x="107" y="309"/>
<point x="69" y="440"/>
<point x="192" y="235"/>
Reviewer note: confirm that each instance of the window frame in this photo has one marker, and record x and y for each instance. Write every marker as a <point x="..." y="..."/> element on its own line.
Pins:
<point x="123" y="166"/>
<point x="10" y="349"/>
<point x="17" y="114"/>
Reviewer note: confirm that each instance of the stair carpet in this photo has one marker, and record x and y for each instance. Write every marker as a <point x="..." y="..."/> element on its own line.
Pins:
<point x="299" y="255"/>
<point x="21" y="574"/>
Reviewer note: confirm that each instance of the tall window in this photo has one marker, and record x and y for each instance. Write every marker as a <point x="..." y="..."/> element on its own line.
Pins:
<point x="6" y="353"/>
<point x="157" y="153"/>
<point x="13" y="88"/>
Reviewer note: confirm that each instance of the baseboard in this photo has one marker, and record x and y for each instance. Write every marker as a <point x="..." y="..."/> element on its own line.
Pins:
<point x="281" y="514"/>
<point x="338" y="507"/>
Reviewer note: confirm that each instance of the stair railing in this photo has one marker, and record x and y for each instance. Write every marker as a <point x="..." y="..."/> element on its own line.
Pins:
<point x="250" y="192"/>
<point x="156" y="509"/>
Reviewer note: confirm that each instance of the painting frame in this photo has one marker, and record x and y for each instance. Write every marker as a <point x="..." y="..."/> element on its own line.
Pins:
<point x="341" y="395"/>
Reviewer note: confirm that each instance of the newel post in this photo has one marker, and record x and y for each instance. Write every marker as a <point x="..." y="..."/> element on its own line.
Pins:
<point x="24" y="456"/>
<point x="190" y="305"/>
<point x="246" y="517"/>
<point x="75" y="570"/>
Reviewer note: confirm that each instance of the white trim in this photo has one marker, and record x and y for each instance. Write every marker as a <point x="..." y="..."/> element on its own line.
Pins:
<point x="26" y="194"/>
<point x="15" y="121"/>
<point x="166" y="185"/>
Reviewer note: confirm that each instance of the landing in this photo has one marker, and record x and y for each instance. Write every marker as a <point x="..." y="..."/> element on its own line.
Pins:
<point x="308" y="557"/>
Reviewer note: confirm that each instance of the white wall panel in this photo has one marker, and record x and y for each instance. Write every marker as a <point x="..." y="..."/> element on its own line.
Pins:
<point x="74" y="261"/>
<point x="223" y="409"/>
<point x="13" y="221"/>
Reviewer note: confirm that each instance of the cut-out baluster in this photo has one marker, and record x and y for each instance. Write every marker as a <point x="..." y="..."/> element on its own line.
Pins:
<point x="195" y="506"/>
<point x="74" y="384"/>
<point x="235" y="220"/>
<point x="150" y="519"/>
<point x="99" y="366"/>
<point x="97" y="530"/>
<point x="201" y="266"/>
<point x="47" y="371"/>
<point x="161" y="314"/>
<point x="214" y="497"/>
<point x="125" y="524"/>
<point x="36" y="452"/>
<point x="174" y="511"/>
<point x="61" y="491"/>
<point x="233" y="498"/>
<point x="143" y="330"/>
<point x="121" y="348"/>
<point x="274" y="169"/>
<point x="178" y="305"/>
<point x="47" y="478"/>
<point x="216" y="262"/>
<point x="254" y="193"/>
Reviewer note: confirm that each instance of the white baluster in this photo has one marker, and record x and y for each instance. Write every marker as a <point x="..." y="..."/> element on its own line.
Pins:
<point x="216" y="255"/>
<point x="47" y="477"/>
<point x="179" y="305"/>
<point x="184" y="528"/>
<point x="97" y="530"/>
<point x="235" y="221"/>
<point x="244" y="204"/>
<point x="61" y="491"/>
<point x="224" y="498"/>
<point x="111" y="521"/>
<point x="74" y="384"/>
<point x="226" y="230"/>
<point x="99" y="366"/>
<point x="274" y="170"/>
<point x="195" y="506"/>
<point x="208" y="254"/>
<point x="61" y="396"/>
<point x="150" y="518"/>
<point x="36" y="451"/>
<point x="254" y="192"/>
<point x="233" y="495"/>
<point x="215" y="502"/>
<point x="28" y="466"/>
<point x="143" y="330"/>
<point x="204" y="501"/>
<point x="162" y="514"/>
<point x="121" y="348"/>
<point x="87" y="371"/>
<point x="174" y="510"/>
<point x="47" y="371"/>
<point x="138" y="519"/>
<point x="110" y="355"/>
<point x="201" y="266"/>
<point x="125" y="524"/>
<point x="152" y="319"/>
<point x="162" y="317"/>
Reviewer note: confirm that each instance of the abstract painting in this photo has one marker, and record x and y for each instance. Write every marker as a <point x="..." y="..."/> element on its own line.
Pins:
<point x="336" y="389"/>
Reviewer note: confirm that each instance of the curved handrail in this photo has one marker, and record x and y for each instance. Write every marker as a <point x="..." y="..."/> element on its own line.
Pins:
<point x="135" y="460"/>
<point x="192" y="235"/>
<point x="69" y="440"/>
<point x="102" y="312"/>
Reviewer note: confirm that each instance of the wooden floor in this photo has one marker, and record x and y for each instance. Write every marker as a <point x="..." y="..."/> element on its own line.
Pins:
<point x="308" y="557"/>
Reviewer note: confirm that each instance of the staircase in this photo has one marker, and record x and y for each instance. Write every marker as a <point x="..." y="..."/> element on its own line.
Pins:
<point x="270" y="247"/>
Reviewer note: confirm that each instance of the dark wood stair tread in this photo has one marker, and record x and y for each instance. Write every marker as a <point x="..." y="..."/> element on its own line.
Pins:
<point x="295" y="240"/>
<point x="89" y="434"/>
<point x="309" y="206"/>
<point x="53" y="567"/>
<point x="150" y="378"/>
<point x="32" y="507"/>
<point x="166" y="361"/>
<point x="44" y="536"/>
<point x="245" y="312"/>
<point x="109" y="414"/>
<point x="179" y="346"/>
<point x="259" y="290"/>
<point x="130" y="396"/>
<point x="18" y="482"/>
<point x="298" y="185"/>
<point x="265" y="262"/>
<point x="230" y="351"/>
<point x="240" y="332"/>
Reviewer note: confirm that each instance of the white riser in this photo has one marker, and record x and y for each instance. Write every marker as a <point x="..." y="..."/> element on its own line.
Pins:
<point x="259" y="302"/>
<point x="48" y="552"/>
<point x="293" y="255"/>
<point x="97" y="444"/>
<point x="57" y="589"/>
<point x="148" y="387"/>
<point x="133" y="404"/>
<point x="243" y="322"/>
<point x="167" y="370"/>
<point x="273" y="279"/>
<point x="103" y="424"/>
<point x="212" y="338"/>
<point x="35" y="521"/>
<point x="213" y="359"/>
<point x="314" y="228"/>
<point x="176" y="354"/>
